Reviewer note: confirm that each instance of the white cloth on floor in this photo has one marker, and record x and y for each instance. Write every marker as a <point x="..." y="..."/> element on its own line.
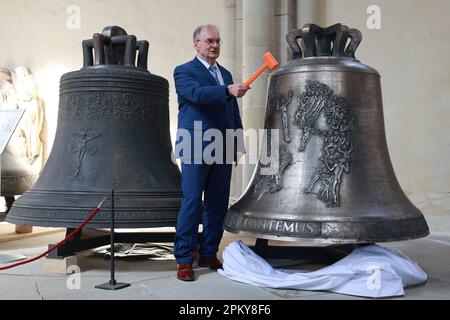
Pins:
<point x="368" y="271"/>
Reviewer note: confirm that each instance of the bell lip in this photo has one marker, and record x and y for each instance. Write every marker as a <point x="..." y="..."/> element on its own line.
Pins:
<point x="69" y="209"/>
<point x="333" y="231"/>
<point x="325" y="64"/>
<point x="322" y="241"/>
<point x="94" y="224"/>
<point x="71" y="218"/>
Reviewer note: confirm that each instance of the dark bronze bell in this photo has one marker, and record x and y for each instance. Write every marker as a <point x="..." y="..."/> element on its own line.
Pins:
<point x="17" y="176"/>
<point x="112" y="134"/>
<point x="334" y="181"/>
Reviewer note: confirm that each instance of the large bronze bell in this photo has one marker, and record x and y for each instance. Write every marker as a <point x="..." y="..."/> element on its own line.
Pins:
<point x="112" y="133"/>
<point x="334" y="181"/>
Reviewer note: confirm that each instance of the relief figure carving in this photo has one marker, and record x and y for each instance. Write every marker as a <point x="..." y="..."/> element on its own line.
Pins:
<point x="335" y="159"/>
<point x="81" y="147"/>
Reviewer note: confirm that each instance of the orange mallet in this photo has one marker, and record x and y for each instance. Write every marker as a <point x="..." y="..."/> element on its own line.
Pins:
<point x="269" y="62"/>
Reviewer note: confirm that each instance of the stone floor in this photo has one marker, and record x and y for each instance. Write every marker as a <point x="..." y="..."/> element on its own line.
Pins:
<point x="155" y="279"/>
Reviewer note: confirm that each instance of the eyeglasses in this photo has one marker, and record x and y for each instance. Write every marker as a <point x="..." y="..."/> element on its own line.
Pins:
<point x="210" y="42"/>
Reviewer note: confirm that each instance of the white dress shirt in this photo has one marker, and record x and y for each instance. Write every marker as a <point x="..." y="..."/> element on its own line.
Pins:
<point x="207" y="65"/>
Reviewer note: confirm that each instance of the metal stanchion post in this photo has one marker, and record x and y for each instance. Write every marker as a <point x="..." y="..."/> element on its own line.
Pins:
<point x="112" y="284"/>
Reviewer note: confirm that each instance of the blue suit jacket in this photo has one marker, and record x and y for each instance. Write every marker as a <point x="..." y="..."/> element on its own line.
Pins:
<point x="201" y="99"/>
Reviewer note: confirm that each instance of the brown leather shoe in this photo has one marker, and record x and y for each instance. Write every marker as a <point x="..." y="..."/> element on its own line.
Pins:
<point x="185" y="272"/>
<point x="212" y="263"/>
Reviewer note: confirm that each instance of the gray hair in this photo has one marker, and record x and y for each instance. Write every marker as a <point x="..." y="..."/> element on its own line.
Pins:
<point x="199" y="29"/>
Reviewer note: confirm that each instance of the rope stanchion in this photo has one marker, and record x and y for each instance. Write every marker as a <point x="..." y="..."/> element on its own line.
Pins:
<point x="112" y="284"/>
<point x="91" y="216"/>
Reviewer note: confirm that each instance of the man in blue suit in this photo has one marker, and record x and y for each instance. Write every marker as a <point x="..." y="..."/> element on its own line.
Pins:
<point x="207" y="100"/>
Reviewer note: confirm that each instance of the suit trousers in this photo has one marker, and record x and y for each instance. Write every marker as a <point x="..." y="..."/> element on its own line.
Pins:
<point x="212" y="180"/>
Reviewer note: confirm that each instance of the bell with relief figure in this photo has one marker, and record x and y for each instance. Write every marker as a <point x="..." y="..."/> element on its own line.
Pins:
<point x="112" y="134"/>
<point x="330" y="180"/>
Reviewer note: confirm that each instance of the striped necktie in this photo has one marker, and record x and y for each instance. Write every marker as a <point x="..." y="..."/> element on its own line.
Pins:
<point x="213" y="70"/>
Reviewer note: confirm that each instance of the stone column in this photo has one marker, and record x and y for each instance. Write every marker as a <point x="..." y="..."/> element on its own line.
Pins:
<point x="237" y="171"/>
<point x="229" y="52"/>
<point x="258" y="37"/>
<point x="228" y="36"/>
<point x="238" y="24"/>
<point x="284" y="21"/>
<point x="307" y="11"/>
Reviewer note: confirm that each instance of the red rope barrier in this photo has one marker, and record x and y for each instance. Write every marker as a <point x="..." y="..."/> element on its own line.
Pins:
<point x="92" y="215"/>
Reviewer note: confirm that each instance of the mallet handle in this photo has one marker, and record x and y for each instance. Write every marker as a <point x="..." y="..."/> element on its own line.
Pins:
<point x="256" y="75"/>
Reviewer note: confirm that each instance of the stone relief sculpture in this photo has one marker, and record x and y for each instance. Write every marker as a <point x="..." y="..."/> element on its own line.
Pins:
<point x="7" y="91"/>
<point x="32" y="128"/>
<point x="25" y="155"/>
